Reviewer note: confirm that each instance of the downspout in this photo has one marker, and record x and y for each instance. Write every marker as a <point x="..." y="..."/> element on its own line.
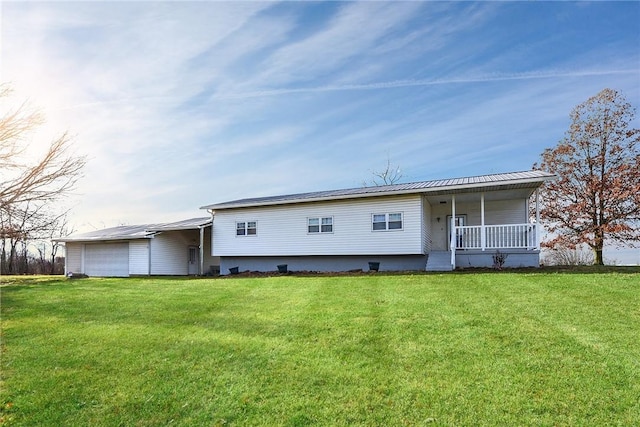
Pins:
<point x="149" y="255"/>
<point x="538" y="219"/>
<point x="211" y="242"/>
<point x="201" y="249"/>
<point x="66" y="259"/>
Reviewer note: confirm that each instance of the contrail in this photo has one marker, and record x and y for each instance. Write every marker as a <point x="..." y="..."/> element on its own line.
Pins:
<point x="496" y="77"/>
<point x="423" y="82"/>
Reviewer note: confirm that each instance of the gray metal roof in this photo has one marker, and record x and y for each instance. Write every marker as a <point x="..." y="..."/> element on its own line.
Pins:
<point x="124" y="232"/>
<point x="132" y="232"/>
<point x="510" y="180"/>
<point x="187" y="224"/>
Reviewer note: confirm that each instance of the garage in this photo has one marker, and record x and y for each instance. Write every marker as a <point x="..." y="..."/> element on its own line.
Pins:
<point x="140" y="250"/>
<point x="107" y="259"/>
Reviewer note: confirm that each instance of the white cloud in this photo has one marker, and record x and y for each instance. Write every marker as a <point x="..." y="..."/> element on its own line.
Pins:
<point x="333" y="46"/>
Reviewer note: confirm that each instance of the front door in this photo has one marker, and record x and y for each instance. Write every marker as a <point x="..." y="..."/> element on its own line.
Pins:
<point x="194" y="260"/>
<point x="460" y="222"/>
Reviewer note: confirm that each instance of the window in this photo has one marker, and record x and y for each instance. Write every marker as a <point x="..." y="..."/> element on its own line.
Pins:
<point x="248" y="228"/>
<point x="395" y="221"/>
<point x="390" y="221"/>
<point x="380" y="222"/>
<point x="313" y="225"/>
<point x="320" y="225"/>
<point x="327" y="225"/>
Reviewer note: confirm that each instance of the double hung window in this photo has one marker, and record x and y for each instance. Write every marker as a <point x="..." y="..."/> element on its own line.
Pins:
<point x="320" y="225"/>
<point x="247" y="228"/>
<point x="387" y="221"/>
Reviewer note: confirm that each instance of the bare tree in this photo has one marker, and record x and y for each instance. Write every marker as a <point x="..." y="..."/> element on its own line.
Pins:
<point x="46" y="180"/>
<point x="388" y="176"/>
<point x="29" y="189"/>
<point x="25" y="233"/>
<point x="47" y="247"/>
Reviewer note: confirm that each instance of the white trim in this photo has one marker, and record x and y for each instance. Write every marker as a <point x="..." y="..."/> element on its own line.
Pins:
<point x="82" y="257"/>
<point x="483" y="242"/>
<point x="452" y="241"/>
<point x="246" y="228"/>
<point x="538" y="231"/>
<point x="320" y="224"/>
<point x="201" y="250"/>
<point x="387" y="221"/>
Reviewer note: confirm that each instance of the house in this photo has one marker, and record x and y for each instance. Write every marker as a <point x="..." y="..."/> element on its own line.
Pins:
<point x="174" y="249"/>
<point x="432" y="225"/>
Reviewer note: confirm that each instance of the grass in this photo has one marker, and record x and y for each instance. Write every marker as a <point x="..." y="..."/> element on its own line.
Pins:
<point x="480" y="349"/>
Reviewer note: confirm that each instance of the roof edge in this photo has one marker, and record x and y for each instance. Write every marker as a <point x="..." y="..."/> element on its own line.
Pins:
<point x="545" y="176"/>
<point x="101" y="239"/>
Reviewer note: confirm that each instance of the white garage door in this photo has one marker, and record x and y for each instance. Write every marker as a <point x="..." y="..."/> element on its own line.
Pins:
<point x="107" y="259"/>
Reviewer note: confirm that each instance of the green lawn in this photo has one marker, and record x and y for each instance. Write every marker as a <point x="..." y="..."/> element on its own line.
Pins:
<point x="488" y="349"/>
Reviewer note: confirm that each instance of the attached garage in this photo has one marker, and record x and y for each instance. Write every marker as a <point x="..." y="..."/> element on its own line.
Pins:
<point x="174" y="249"/>
<point x="107" y="259"/>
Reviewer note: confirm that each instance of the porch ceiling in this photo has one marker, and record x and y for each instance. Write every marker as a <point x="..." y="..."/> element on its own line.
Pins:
<point x="499" y="193"/>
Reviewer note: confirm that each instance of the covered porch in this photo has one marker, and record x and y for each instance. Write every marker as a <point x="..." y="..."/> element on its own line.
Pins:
<point x="477" y="225"/>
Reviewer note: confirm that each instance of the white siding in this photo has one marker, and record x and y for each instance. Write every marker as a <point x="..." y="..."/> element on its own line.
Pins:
<point x="139" y="257"/>
<point x="426" y="225"/>
<point x="282" y="230"/>
<point x="505" y="212"/>
<point x="73" y="258"/>
<point x="495" y="212"/>
<point x="209" y="260"/>
<point x="169" y="252"/>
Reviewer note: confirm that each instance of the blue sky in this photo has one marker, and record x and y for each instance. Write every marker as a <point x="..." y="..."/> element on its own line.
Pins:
<point x="179" y="105"/>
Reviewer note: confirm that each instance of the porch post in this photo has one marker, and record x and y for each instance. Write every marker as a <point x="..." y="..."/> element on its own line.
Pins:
<point x="201" y="255"/>
<point x="82" y="251"/>
<point x="452" y="242"/>
<point x="66" y="260"/>
<point x="483" y="239"/>
<point x="537" y="218"/>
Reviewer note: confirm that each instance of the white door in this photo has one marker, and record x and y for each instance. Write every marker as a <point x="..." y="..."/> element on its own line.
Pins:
<point x="194" y="260"/>
<point x="106" y="260"/>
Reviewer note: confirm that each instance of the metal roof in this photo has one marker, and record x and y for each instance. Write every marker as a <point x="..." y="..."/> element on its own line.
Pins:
<point x="124" y="232"/>
<point x="510" y="180"/>
<point x="132" y="232"/>
<point x="187" y="224"/>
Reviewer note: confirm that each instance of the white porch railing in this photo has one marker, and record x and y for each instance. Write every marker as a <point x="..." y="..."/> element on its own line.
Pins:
<point x="505" y="236"/>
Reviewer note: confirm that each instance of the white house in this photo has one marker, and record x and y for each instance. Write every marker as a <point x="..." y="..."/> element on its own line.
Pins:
<point x="432" y="225"/>
<point x="174" y="249"/>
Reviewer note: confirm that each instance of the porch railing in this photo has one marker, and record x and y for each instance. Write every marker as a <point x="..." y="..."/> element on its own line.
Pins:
<point x="505" y="236"/>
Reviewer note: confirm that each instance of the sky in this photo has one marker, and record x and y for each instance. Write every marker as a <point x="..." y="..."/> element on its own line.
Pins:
<point x="182" y="104"/>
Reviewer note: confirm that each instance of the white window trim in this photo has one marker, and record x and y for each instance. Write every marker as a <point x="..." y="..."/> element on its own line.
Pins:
<point x="246" y="229"/>
<point x="320" y="218"/>
<point x="386" y="221"/>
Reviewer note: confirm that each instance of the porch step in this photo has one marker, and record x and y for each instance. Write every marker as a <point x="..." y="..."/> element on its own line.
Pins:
<point x="439" y="261"/>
